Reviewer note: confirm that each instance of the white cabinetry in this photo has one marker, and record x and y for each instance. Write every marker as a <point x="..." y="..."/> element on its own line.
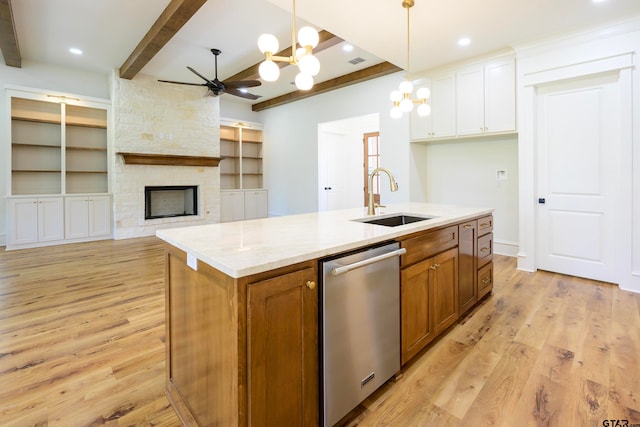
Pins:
<point x="87" y="216"/>
<point x="485" y="98"/>
<point x="441" y="123"/>
<point x="34" y="220"/>
<point x="238" y="205"/>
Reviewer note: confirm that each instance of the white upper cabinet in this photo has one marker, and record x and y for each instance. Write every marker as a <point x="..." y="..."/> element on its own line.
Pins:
<point x="441" y="122"/>
<point x="485" y="98"/>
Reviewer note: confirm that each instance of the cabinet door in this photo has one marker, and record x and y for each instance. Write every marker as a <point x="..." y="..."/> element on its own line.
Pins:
<point x="444" y="282"/>
<point x="255" y="204"/>
<point x="500" y="96"/>
<point x="470" y="101"/>
<point x="443" y="106"/>
<point x="23" y="217"/>
<point x="76" y="218"/>
<point x="415" y="301"/>
<point x="467" y="252"/>
<point x="50" y="219"/>
<point x="99" y="215"/>
<point x="282" y="330"/>
<point x="421" y="127"/>
<point x="231" y="206"/>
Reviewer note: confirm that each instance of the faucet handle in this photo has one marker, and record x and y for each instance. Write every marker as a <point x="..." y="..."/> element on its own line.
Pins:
<point x="379" y="205"/>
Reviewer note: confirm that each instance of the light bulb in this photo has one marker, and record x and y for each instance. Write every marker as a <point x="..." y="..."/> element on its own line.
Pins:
<point x="304" y="81"/>
<point x="300" y="52"/>
<point x="307" y="36"/>
<point x="406" y="86"/>
<point x="395" y="96"/>
<point x="269" y="71"/>
<point x="309" y="64"/>
<point x="395" y="113"/>
<point x="406" y="105"/>
<point x="268" y="43"/>
<point x="424" y="110"/>
<point x="423" y="93"/>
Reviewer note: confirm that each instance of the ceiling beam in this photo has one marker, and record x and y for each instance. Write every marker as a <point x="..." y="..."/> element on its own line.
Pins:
<point x="372" y="72"/>
<point x="176" y="14"/>
<point x="8" y="37"/>
<point x="327" y="40"/>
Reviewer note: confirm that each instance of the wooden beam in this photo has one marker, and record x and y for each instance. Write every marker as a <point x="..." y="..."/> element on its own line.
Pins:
<point x="8" y="37"/>
<point x="372" y="72"/>
<point x="176" y="14"/>
<point x="327" y="40"/>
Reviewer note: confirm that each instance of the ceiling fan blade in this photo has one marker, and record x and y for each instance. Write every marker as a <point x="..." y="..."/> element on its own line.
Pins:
<point x="183" y="83"/>
<point x="245" y="95"/>
<point x="242" y="83"/>
<point x="199" y="75"/>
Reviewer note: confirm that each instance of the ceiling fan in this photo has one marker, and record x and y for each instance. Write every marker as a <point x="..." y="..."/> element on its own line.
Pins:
<point x="216" y="87"/>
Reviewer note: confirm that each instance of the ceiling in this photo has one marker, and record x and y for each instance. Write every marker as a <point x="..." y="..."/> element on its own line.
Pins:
<point x="108" y="31"/>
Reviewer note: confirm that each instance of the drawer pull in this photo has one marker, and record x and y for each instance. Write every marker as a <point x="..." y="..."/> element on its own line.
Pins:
<point x="484" y="249"/>
<point x="467" y="226"/>
<point x="434" y="266"/>
<point x="485" y="224"/>
<point x="486" y="280"/>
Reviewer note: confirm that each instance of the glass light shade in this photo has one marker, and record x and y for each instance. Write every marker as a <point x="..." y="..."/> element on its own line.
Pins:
<point x="406" y="105"/>
<point x="395" y="96"/>
<point x="304" y="81"/>
<point x="269" y="71"/>
<point x="423" y="93"/>
<point x="395" y="113"/>
<point x="300" y="52"/>
<point x="406" y="86"/>
<point x="307" y="36"/>
<point x="309" y="64"/>
<point x="424" y="110"/>
<point x="268" y="43"/>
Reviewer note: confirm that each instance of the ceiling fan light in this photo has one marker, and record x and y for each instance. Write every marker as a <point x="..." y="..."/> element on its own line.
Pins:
<point x="307" y="36"/>
<point x="424" y="110"/>
<point x="406" y="105"/>
<point x="304" y="81"/>
<point x="423" y="93"/>
<point x="406" y="86"/>
<point x="269" y="71"/>
<point x="309" y="64"/>
<point x="395" y="96"/>
<point x="268" y="43"/>
<point x="395" y="113"/>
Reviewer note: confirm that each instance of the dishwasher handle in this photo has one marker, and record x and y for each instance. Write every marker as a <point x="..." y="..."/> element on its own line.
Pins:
<point x="345" y="268"/>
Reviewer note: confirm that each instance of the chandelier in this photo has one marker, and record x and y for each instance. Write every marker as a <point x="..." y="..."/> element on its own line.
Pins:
<point x="401" y="98"/>
<point x="308" y="64"/>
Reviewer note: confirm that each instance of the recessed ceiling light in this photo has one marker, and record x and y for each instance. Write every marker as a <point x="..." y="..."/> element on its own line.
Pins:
<point x="598" y="1"/>
<point x="464" y="41"/>
<point x="75" y="51"/>
<point x="347" y="47"/>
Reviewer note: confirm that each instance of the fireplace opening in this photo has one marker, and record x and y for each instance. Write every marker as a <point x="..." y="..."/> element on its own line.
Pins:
<point x="170" y="201"/>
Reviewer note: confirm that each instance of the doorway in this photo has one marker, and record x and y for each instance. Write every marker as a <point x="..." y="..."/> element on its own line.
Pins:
<point x="341" y="161"/>
<point x="578" y="150"/>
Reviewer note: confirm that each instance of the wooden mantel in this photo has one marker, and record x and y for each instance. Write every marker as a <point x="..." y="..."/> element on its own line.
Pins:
<point x="168" y="160"/>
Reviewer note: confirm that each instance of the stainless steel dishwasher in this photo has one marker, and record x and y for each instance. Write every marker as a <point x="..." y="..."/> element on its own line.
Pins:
<point x="360" y="320"/>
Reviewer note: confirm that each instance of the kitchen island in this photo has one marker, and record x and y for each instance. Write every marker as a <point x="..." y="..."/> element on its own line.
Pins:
<point x="242" y="303"/>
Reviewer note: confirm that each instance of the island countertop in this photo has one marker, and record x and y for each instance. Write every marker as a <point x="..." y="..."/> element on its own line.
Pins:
<point x="243" y="248"/>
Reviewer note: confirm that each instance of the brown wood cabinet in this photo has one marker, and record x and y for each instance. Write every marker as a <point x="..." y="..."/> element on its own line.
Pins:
<point x="242" y="351"/>
<point x="476" y="253"/>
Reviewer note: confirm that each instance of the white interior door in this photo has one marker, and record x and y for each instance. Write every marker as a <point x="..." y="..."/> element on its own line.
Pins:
<point x="578" y="176"/>
<point x="339" y="171"/>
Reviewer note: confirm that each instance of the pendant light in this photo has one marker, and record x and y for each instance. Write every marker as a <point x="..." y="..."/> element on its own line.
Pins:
<point x="302" y="57"/>
<point x="401" y="98"/>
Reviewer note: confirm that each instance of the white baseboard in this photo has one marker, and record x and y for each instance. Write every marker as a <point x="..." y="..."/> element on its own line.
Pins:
<point x="3" y="240"/>
<point x="505" y="248"/>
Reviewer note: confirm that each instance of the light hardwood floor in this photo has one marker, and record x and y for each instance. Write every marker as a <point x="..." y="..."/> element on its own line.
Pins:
<point x="82" y="344"/>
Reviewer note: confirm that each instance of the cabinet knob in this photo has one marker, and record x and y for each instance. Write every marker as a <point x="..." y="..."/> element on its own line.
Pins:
<point x="311" y="284"/>
<point x="434" y="266"/>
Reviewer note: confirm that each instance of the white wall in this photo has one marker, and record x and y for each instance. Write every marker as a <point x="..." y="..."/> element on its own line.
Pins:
<point x="49" y="79"/>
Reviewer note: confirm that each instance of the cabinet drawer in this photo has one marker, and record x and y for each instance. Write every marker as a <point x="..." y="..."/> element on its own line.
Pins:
<point x="485" y="225"/>
<point x="426" y="245"/>
<point x="485" y="280"/>
<point x="485" y="249"/>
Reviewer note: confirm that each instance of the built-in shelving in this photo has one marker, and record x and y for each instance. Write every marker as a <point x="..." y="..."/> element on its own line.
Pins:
<point x="241" y="157"/>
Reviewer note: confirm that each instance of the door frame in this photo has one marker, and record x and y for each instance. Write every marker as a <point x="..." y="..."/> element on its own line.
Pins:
<point x="527" y="93"/>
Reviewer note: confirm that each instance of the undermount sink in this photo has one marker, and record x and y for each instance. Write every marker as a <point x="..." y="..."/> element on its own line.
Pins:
<point x="394" y="220"/>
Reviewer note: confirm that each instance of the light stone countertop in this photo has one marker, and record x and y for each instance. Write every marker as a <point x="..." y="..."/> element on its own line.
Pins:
<point x="243" y="248"/>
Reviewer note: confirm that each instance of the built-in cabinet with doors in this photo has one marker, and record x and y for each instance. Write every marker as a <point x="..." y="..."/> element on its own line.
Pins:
<point x="242" y="193"/>
<point x="58" y="188"/>
<point x="472" y="100"/>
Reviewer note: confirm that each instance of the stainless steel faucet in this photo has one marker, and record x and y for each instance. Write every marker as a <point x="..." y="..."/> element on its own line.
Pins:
<point x="371" y="209"/>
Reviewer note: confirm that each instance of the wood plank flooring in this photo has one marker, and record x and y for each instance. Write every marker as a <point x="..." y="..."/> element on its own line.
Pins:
<point x="82" y="344"/>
